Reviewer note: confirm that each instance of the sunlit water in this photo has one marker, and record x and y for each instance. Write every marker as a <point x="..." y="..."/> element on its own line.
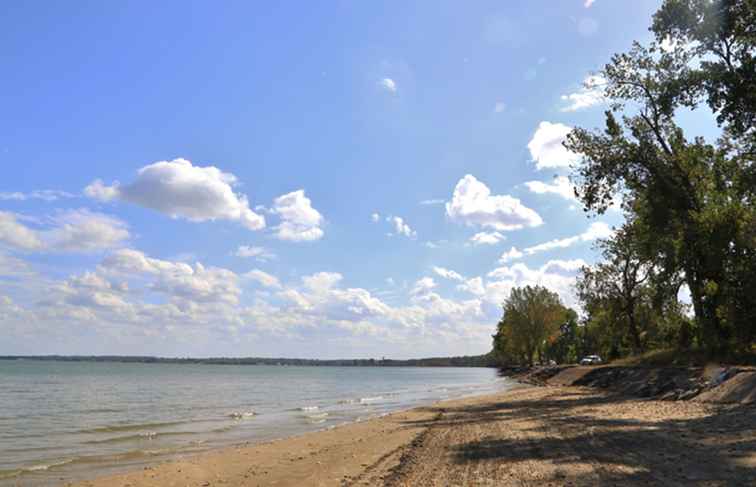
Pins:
<point x="62" y="421"/>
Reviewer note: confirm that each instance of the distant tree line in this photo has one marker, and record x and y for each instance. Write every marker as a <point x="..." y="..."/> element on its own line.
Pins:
<point x="689" y="204"/>
<point x="486" y="360"/>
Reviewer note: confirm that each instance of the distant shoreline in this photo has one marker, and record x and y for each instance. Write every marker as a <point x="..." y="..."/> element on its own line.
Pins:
<point x="462" y="361"/>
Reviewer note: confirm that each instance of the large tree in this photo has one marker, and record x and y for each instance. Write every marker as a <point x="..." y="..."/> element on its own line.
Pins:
<point x="532" y="315"/>
<point x="693" y="198"/>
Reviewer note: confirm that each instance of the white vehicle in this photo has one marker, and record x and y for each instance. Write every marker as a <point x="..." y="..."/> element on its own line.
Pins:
<point x="591" y="360"/>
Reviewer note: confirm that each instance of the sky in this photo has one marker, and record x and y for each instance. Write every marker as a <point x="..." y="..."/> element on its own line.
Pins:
<point x="304" y="179"/>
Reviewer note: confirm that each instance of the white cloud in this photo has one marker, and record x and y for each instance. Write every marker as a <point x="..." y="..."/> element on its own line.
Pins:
<point x="16" y="234"/>
<point x="261" y="254"/>
<point x="487" y="238"/>
<point x="595" y="231"/>
<point x="69" y="231"/>
<point x="473" y="286"/>
<point x="588" y="3"/>
<point x="183" y="284"/>
<point x="473" y="205"/>
<point x="299" y="220"/>
<point x="321" y="281"/>
<point x="85" y="231"/>
<point x="401" y="227"/>
<point x="510" y="255"/>
<point x="375" y="217"/>
<point x="42" y="194"/>
<point x="546" y="147"/>
<point x="388" y="84"/>
<point x="263" y="278"/>
<point x="557" y="276"/>
<point x="561" y="187"/>
<point x="423" y="286"/>
<point x="436" y="201"/>
<point x="564" y="265"/>
<point x="448" y="274"/>
<point x="181" y="190"/>
<point x="591" y="93"/>
<point x="499" y="107"/>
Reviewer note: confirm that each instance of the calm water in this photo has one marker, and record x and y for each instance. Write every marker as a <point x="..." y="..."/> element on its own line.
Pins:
<point x="62" y="420"/>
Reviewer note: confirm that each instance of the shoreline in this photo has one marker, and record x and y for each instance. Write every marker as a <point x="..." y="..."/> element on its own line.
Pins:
<point x="555" y="434"/>
<point x="148" y="474"/>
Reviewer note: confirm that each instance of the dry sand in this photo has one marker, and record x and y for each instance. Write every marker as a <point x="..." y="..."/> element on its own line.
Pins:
<point x="526" y="437"/>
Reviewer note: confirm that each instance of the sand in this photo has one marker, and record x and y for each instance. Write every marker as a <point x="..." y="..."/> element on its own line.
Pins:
<point x="534" y="436"/>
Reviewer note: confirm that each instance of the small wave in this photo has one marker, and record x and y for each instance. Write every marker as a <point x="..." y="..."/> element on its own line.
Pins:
<point x="9" y="474"/>
<point x="146" y="435"/>
<point x="241" y="415"/>
<point x="309" y="408"/>
<point x="131" y="427"/>
<point x="348" y="401"/>
<point x="366" y="400"/>
<point x="317" y="415"/>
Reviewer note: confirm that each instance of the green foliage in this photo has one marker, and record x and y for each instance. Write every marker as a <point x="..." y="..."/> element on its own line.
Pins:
<point x="530" y="326"/>
<point x="690" y="203"/>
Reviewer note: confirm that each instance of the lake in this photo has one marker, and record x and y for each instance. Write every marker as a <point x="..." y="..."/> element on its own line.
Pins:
<point x="63" y="421"/>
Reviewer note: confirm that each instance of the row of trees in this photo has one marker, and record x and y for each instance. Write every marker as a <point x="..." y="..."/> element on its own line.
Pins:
<point x="688" y="202"/>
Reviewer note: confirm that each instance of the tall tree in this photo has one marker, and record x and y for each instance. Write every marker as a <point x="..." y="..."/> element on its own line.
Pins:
<point x="531" y="316"/>
<point x="694" y="199"/>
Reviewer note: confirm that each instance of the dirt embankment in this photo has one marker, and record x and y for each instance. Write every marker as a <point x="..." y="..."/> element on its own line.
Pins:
<point x="708" y="384"/>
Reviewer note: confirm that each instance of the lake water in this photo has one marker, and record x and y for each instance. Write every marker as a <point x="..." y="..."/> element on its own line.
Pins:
<point x="63" y="421"/>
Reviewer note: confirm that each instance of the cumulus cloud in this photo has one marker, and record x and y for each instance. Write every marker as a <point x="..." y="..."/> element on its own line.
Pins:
<point x="162" y="299"/>
<point x="510" y="255"/>
<point x="423" y="286"/>
<point x="473" y="204"/>
<point x="299" y="220"/>
<point x="69" y="231"/>
<point x="16" y="234"/>
<point x="388" y="84"/>
<point x="546" y="147"/>
<point x="595" y="231"/>
<point x="401" y="227"/>
<point x="260" y="254"/>
<point x="473" y="286"/>
<point x="487" y="238"/>
<point x="181" y="190"/>
<point x="85" y="231"/>
<point x="560" y="187"/>
<point x="591" y="93"/>
<point x="588" y="3"/>
<point x="557" y="276"/>
<point x="375" y="217"/>
<point x="448" y="274"/>
<point x="182" y="283"/>
<point x="263" y="278"/>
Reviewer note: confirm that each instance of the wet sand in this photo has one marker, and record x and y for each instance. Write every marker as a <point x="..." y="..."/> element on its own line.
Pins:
<point x="534" y="436"/>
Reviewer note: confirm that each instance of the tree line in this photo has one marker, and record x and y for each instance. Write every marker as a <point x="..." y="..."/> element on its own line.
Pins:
<point x="485" y="360"/>
<point x="690" y="219"/>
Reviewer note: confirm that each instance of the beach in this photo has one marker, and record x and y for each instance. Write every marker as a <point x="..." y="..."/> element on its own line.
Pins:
<point x="553" y="435"/>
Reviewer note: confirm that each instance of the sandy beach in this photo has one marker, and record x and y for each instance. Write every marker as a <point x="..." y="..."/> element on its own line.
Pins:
<point x="554" y="435"/>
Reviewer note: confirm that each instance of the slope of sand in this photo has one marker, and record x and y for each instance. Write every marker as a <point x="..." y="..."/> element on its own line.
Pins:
<point x="525" y="437"/>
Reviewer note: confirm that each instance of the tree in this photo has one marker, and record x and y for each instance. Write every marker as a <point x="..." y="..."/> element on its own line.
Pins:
<point x="628" y="296"/>
<point x="531" y="316"/>
<point x="693" y="200"/>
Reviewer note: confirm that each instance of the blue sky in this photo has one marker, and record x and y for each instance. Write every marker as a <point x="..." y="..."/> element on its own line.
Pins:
<point x="330" y="179"/>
